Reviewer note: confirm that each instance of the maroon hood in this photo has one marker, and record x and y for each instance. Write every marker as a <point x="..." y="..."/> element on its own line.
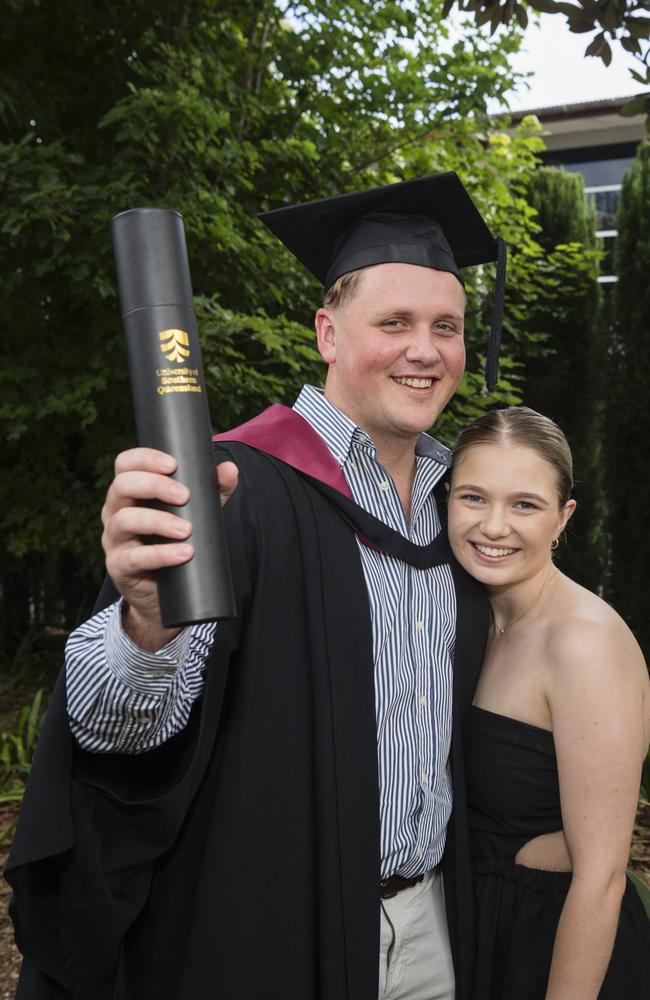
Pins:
<point x="281" y="432"/>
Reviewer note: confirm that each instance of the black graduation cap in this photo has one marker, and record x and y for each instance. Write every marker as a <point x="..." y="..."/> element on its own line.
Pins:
<point x="430" y="221"/>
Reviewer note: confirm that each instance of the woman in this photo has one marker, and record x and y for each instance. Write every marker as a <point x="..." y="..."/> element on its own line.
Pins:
<point x="556" y="737"/>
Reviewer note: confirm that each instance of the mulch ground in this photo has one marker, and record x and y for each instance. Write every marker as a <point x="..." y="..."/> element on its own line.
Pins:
<point x="10" y="959"/>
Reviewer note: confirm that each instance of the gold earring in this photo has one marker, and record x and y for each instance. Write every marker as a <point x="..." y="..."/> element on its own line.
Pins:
<point x="555" y="544"/>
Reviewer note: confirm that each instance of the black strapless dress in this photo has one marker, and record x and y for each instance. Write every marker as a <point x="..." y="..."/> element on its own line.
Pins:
<point x="513" y="795"/>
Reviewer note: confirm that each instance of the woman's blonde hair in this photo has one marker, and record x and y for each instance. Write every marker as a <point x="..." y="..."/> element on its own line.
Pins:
<point x="519" y="425"/>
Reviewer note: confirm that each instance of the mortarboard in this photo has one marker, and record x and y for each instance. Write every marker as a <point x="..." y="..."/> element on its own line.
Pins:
<point x="430" y="221"/>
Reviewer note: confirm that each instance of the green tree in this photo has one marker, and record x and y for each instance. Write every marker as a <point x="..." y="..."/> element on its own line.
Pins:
<point x="628" y="404"/>
<point x="566" y="381"/>
<point x="218" y="110"/>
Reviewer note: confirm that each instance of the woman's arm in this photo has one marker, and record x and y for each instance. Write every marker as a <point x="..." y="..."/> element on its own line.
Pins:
<point x="596" y="696"/>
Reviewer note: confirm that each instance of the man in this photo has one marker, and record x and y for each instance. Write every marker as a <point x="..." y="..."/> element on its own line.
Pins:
<point x="260" y="808"/>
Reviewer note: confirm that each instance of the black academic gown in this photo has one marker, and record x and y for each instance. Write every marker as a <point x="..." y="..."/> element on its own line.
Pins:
<point x="240" y="860"/>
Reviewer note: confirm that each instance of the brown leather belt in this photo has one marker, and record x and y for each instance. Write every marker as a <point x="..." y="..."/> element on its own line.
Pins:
<point x="390" y="886"/>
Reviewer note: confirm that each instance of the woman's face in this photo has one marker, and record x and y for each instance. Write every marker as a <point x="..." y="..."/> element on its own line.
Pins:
<point x="504" y="513"/>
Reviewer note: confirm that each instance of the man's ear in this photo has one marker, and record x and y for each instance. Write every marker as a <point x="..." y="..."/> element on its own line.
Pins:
<point x="326" y="334"/>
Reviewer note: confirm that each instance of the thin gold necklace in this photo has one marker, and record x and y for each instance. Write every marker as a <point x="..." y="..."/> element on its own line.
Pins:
<point x="502" y="629"/>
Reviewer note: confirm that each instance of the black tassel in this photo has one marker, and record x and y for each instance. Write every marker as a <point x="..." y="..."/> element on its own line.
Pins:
<point x="492" y="357"/>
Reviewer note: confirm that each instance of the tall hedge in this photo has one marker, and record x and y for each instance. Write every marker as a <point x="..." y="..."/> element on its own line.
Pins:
<point x="628" y="406"/>
<point x="566" y="382"/>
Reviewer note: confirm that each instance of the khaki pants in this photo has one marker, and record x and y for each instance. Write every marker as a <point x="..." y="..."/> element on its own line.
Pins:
<point x="414" y="955"/>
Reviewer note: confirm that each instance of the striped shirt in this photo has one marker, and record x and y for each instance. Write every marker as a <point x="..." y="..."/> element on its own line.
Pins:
<point x="122" y="698"/>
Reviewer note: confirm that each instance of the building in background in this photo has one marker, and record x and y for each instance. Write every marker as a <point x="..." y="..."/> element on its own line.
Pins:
<point x="594" y="140"/>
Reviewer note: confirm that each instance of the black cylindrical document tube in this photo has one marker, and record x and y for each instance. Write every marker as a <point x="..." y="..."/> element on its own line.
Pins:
<point x="169" y="399"/>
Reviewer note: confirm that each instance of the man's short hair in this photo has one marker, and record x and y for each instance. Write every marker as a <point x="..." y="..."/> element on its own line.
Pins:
<point x="342" y="290"/>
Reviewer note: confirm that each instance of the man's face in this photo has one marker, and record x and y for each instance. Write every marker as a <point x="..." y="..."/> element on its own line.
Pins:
<point x="395" y="350"/>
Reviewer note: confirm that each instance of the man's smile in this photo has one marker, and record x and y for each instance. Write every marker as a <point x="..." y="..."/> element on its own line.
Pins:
<point x="414" y="382"/>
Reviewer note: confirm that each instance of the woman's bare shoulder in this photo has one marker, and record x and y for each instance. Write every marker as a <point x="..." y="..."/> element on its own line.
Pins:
<point x="590" y="637"/>
<point x="593" y="658"/>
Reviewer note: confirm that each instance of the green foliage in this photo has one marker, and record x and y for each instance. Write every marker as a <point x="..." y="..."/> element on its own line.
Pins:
<point x="17" y="748"/>
<point x="18" y="740"/>
<point x="220" y="110"/>
<point x="251" y="361"/>
<point x="23" y="680"/>
<point x="628" y="404"/>
<point x="566" y="381"/>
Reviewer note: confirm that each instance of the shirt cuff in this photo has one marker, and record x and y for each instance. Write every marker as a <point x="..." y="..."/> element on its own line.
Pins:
<point x="140" y="669"/>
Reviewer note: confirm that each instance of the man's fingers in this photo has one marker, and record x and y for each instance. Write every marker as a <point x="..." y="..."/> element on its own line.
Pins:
<point x="144" y="474"/>
<point x="146" y="459"/>
<point x="133" y="522"/>
<point x="227" y="475"/>
<point x="128" y="488"/>
<point x="135" y="561"/>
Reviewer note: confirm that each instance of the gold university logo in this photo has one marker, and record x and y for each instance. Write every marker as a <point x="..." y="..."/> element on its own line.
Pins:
<point x="173" y="344"/>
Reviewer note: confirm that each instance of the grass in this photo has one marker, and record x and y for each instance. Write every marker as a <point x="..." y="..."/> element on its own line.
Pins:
<point x="27" y="678"/>
<point x="17" y="747"/>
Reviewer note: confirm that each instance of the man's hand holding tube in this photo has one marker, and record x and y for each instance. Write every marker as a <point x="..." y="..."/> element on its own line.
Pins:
<point x="143" y="474"/>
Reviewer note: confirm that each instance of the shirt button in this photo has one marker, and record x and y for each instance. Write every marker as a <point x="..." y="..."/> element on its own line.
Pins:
<point x="384" y="486"/>
<point x="422" y="699"/>
<point x="420" y="852"/>
<point x="419" y="625"/>
<point x="425" y="778"/>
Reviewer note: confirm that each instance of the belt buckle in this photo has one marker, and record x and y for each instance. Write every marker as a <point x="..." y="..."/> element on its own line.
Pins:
<point x="391" y="886"/>
<point x="384" y="891"/>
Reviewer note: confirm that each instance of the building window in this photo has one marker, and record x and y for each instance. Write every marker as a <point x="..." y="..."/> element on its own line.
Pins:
<point x="605" y="198"/>
<point x="603" y="172"/>
<point x="602" y="169"/>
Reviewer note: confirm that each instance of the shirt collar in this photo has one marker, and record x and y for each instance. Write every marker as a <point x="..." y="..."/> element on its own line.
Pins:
<point x="339" y="432"/>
